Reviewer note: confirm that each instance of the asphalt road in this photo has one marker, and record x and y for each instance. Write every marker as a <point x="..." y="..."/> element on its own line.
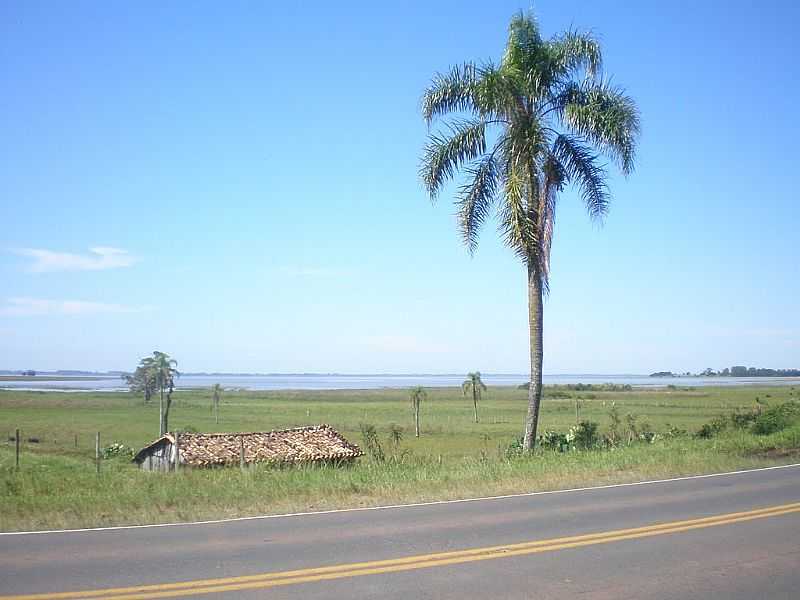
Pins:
<point x="733" y="536"/>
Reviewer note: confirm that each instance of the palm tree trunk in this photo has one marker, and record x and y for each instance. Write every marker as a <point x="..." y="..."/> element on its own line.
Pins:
<point x="535" y="310"/>
<point x="166" y="411"/>
<point x="475" y="403"/>
<point x="161" y="413"/>
<point x="416" y="420"/>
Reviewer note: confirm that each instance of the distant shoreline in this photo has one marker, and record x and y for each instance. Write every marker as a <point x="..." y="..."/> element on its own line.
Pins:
<point x="61" y="383"/>
<point x="34" y="378"/>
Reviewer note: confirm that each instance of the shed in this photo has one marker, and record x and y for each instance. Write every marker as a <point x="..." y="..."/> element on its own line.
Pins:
<point x="317" y="443"/>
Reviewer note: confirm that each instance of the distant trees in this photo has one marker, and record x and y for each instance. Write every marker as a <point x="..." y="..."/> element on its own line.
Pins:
<point x="142" y="381"/>
<point x="754" y="372"/>
<point x="418" y="394"/>
<point x="474" y="384"/>
<point x="736" y="371"/>
<point x="216" y="393"/>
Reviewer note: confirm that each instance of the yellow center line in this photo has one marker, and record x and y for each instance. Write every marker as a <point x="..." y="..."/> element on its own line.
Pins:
<point x="408" y="563"/>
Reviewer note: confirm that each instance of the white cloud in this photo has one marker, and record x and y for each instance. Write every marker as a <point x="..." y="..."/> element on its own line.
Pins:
<point x="32" y="307"/>
<point x="99" y="258"/>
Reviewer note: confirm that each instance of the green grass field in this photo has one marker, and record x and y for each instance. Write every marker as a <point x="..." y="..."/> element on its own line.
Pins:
<point x="56" y="485"/>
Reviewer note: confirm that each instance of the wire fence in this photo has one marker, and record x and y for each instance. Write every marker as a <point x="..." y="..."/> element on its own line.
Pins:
<point x="24" y="444"/>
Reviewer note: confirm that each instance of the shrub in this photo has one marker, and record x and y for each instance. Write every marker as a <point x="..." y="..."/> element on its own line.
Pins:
<point x="117" y="450"/>
<point x="674" y="431"/>
<point x="712" y="428"/>
<point x="776" y="418"/>
<point x="742" y="419"/>
<point x="634" y="430"/>
<point x="648" y="436"/>
<point x="395" y="435"/>
<point x="552" y="440"/>
<point x="515" y="448"/>
<point x="371" y="443"/>
<point x="584" y="435"/>
<point x="614" y="433"/>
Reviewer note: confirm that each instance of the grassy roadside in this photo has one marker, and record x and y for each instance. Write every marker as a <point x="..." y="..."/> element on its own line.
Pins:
<point x="455" y="458"/>
<point x="58" y="492"/>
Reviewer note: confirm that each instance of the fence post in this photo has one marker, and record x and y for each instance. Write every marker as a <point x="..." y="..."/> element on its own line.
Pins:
<point x="76" y="440"/>
<point x="97" y="452"/>
<point x="16" y="445"/>
<point x="177" y="452"/>
<point x="241" y="452"/>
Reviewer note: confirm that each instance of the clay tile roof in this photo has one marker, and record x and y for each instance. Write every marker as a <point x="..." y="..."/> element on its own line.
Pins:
<point x="301" y="444"/>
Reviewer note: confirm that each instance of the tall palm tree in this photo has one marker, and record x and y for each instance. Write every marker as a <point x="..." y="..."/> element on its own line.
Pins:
<point x="521" y="132"/>
<point x="163" y="369"/>
<point x="474" y="384"/>
<point x="216" y="391"/>
<point x="418" y="394"/>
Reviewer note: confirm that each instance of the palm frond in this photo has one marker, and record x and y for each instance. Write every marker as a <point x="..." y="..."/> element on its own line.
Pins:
<point x="554" y="177"/>
<point x="526" y="61"/>
<point x="607" y="117"/>
<point x="450" y="92"/>
<point x="493" y="93"/>
<point x="524" y="40"/>
<point x="580" y="166"/>
<point x="476" y="197"/>
<point x="572" y="52"/>
<point x="515" y="223"/>
<point x="444" y="154"/>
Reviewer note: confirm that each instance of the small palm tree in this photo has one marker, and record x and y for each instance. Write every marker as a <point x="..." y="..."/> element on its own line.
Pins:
<point x="418" y="394"/>
<point x="521" y="132"/>
<point x="216" y="391"/>
<point x="474" y="384"/>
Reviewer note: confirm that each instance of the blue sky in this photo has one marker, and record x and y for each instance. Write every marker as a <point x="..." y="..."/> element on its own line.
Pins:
<point x="236" y="184"/>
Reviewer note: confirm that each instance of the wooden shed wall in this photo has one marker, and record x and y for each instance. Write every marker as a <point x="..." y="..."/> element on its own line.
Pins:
<point x="158" y="458"/>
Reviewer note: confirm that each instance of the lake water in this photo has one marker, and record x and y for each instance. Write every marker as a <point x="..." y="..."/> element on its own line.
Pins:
<point x="352" y="382"/>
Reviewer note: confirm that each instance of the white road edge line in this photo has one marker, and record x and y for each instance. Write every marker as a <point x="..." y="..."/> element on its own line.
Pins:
<point x="399" y="506"/>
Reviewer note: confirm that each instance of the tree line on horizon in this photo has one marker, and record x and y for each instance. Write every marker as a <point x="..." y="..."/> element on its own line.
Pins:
<point x="737" y="371"/>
